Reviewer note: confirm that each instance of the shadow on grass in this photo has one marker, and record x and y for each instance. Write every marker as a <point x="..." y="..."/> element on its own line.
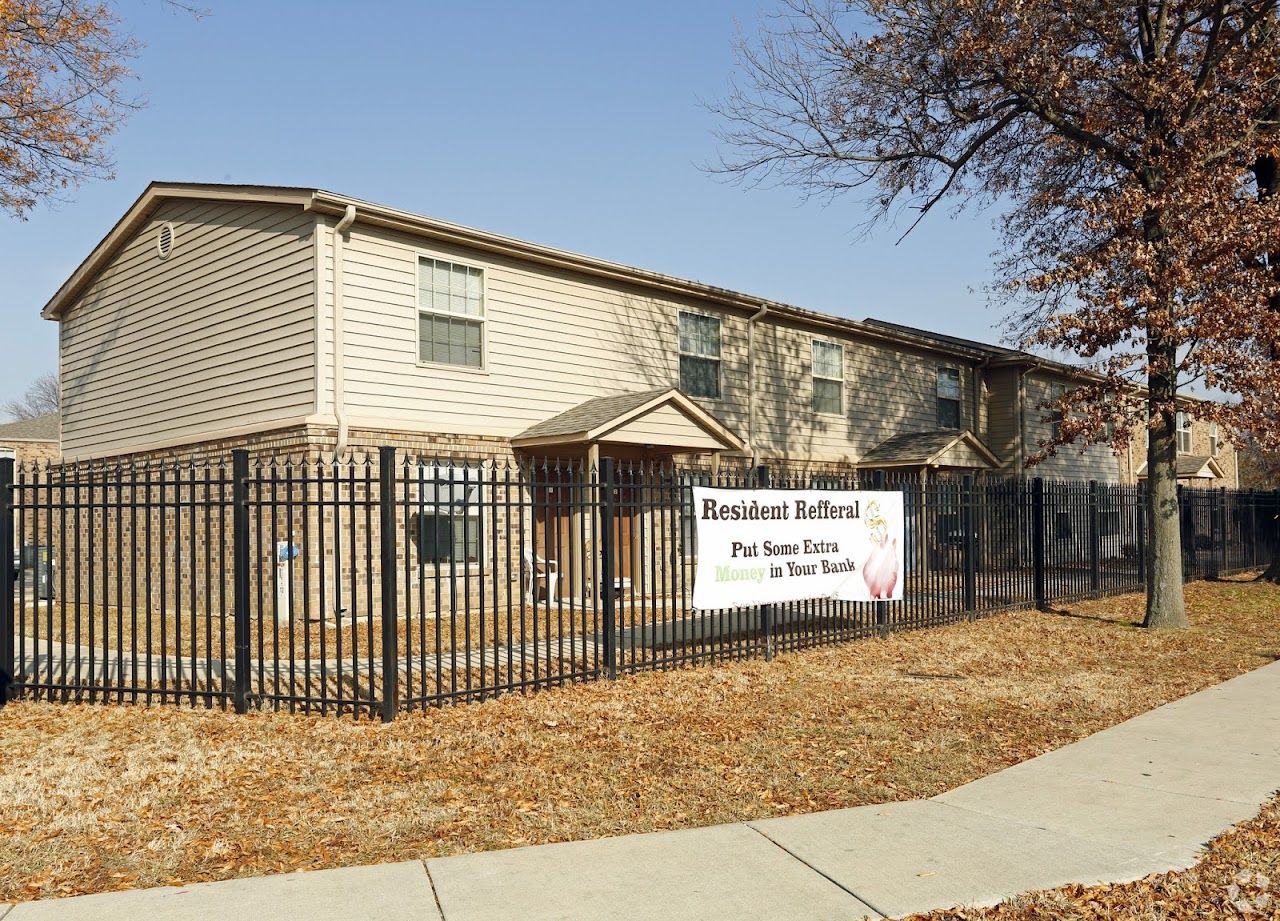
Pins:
<point x="1078" y="615"/>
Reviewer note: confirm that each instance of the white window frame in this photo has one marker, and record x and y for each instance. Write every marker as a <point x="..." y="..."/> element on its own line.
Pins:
<point x="958" y="399"/>
<point x="718" y="359"/>
<point x="1056" y="416"/>
<point x="419" y="310"/>
<point x="814" y="346"/>
<point x="827" y="481"/>
<point x="1183" y="427"/>
<point x="463" y="487"/>
<point x="1215" y="439"/>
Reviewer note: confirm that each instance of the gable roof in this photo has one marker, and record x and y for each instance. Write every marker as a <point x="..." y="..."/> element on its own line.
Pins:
<point x="596" y="418"/>
<point x="1193" y="467"/>
<point x="370" y="213"/>
<point x="926" y="449"/>
<point x="37" y="428"/>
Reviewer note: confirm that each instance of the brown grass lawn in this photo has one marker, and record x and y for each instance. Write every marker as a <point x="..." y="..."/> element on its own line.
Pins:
<point x="106" y="797"/>
<point x="1238" y="878"/>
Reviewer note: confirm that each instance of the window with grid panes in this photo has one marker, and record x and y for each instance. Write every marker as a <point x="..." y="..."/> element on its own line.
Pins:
<point x="1184" y="433"/>
<point x="700" y="355"/>
<point x="450" y="313"/>
<point x="448" y="521"/>
<point x="828" y="377"/>
<point x="948" y="398"/>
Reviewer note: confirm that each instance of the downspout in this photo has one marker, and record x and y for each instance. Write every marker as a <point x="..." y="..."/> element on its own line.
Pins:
<point x="339" y="403"/>
<point x="979" y="383"/>
<point x="751" y="383"/>
<point x="1022" y="421"/>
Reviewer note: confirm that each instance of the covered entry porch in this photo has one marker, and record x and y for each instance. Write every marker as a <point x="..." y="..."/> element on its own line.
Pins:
<point x="644" y="434"/>
<point x="928" y="467"/>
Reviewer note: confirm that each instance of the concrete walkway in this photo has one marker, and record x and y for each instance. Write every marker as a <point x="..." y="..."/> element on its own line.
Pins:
<point x="1139" y="798"/>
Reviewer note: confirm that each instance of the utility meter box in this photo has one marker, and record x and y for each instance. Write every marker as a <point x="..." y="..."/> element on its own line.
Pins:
<point x="37" y="571"/>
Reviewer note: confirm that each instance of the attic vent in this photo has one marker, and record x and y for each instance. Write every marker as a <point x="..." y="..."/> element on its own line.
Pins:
<point x="164" y="240"/>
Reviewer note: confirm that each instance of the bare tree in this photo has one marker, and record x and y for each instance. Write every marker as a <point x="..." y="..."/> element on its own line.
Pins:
<point x="40" y="399"/>
<point x="1130" y="145"/>
<point x="63" y="67"/>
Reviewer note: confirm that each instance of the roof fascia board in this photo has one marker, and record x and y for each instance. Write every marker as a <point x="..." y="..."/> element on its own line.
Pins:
<point x="542" y="440"/>
<point x="969" y="439"/>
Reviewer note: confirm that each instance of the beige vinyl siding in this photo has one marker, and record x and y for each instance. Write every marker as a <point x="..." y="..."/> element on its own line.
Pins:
<point x="554" y="339"/>
<point x="962" y="455"/>
<point x="888" y="390"/>
<point x="217" y="338"/>
<point x="1002" y="416"/>
<point x="1097" y="462"/>
<point x="664" y="425"/>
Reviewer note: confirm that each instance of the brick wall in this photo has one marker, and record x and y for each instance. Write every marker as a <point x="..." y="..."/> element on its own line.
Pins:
<point x="33" y="452"/>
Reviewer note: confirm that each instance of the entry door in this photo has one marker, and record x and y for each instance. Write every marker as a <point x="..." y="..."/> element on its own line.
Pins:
<point x="560" y="503"/>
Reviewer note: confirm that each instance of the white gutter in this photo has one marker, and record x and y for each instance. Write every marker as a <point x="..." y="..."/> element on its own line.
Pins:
<point x="339" y="403"/>
<point x="751" y="383"/>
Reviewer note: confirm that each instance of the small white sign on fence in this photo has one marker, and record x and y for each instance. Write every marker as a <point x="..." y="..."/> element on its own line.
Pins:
<point x="767" y="546"/>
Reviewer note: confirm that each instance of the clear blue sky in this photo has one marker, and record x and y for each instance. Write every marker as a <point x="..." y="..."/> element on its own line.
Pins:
<point x="573" y="124"/>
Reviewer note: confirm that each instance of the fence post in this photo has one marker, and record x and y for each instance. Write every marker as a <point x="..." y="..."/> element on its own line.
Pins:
<point x="390" y="608"/>
<point x="1037" y="543"/>
<point x="764" y="480"/>
<point x="608" y="611"/>
<point x="240" y="573"/>
<point x="1095" y="540"/>
<point x="8" y="667"/>
<point x="1218" y="528"/>
<point x="1141" y="543"/>
<point x="882" y="607"/>
<point x="969" y="548"/>
<point x="1187" y="521"/>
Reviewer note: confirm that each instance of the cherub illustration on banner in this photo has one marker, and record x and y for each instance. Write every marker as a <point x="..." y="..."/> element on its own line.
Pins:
<point x="880" y="571"/>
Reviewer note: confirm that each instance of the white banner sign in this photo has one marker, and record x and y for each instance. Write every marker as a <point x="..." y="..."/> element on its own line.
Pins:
<point x="763" y="546"/>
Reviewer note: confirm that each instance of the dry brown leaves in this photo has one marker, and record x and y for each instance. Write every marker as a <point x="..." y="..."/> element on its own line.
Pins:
<point x="110" y="797"/>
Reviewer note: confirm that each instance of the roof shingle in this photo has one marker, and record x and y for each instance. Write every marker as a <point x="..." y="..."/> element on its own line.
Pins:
<point x="592" y="414"/>
<point x="37" y="428"/>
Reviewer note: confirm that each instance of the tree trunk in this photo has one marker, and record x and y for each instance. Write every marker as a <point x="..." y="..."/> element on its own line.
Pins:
<point x="1166" y="606"/>
<point x="1271" y="573"/>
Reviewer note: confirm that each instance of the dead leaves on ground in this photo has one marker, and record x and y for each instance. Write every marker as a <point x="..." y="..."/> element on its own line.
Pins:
<point x="111" y="797"/>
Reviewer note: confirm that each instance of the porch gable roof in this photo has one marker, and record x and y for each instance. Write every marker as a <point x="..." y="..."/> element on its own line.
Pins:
<point x="941" y="448"/>
<point x="595" y="419"/>
<point x="1193" y="467"/>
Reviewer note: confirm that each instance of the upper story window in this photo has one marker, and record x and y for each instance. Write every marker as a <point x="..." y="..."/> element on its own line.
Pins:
<point x="1056" y="393"/>
<point x="948" y="398"/>
<point x="450" y="313"/>
<point x="700" y="355"/>
<point x="1215" y="443"/>
<point x="1184" y="433"/>
<point x="828" y="377"/>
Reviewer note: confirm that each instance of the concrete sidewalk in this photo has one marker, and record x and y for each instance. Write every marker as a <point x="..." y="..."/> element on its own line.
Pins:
<point x="1139" y="798"/>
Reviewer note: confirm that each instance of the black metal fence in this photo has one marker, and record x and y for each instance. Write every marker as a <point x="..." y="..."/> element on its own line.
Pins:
<point x="371" y="585"/>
